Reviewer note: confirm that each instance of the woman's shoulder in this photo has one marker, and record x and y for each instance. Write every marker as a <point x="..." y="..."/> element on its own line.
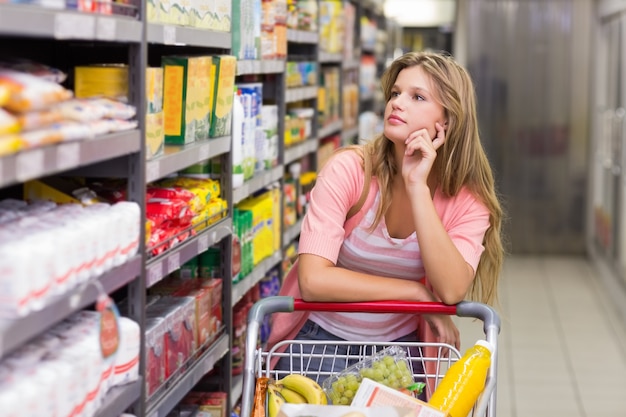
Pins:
<point x="344" y="162"/>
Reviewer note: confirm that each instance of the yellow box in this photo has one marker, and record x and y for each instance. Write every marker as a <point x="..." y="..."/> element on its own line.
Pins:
<point x="154" y="90"/>
<point x="101" y="81"/>
<point x="174" y="12"/>
<point x="187" y="98"/>
<point x="224" y="90"/>
<point x="155" y="136"/>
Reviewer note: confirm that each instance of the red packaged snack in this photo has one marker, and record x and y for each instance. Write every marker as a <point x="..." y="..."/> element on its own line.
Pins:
<point x="155" y="354"/>
<point x="202" y="310"/>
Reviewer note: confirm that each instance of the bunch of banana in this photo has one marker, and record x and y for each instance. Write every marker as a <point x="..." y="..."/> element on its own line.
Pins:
<point x="293" y="389"/>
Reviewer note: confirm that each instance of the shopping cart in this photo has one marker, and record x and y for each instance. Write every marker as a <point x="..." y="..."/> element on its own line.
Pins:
<point x="429" y="361"/>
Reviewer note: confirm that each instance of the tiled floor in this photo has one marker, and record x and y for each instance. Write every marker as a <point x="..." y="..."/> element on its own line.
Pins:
<point x="562" y="348"/>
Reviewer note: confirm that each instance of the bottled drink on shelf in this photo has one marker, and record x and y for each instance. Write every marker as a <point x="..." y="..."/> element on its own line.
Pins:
<point x="465" y="380"/>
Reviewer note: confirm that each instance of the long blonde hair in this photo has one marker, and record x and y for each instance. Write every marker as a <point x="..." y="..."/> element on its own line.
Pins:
<point x="460" y="162"/>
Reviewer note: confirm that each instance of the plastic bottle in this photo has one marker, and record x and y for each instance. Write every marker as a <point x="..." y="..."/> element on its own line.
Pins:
<point x="237" y="137"/>
<point x="459" y="389"/>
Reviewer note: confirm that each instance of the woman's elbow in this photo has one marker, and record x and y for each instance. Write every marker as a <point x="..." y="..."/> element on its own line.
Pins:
<point x="307" y="291"/>
<point x="451" y="296"/>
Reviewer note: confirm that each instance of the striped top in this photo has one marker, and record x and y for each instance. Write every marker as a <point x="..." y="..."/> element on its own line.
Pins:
<point x="337" y="188"/>
<point x="375" y="253"/>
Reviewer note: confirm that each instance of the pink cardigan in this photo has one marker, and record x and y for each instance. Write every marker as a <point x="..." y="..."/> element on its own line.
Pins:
<point x="324" y="228"/>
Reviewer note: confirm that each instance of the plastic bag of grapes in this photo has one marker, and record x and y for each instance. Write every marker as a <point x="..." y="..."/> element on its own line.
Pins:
<point x="390" y="367"/>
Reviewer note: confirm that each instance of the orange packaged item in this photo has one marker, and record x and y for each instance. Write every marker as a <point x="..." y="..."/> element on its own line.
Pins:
<point x="28" y="92"/>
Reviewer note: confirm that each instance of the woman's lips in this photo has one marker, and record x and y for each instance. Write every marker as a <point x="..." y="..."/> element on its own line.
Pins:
<point x="395" y="119"/>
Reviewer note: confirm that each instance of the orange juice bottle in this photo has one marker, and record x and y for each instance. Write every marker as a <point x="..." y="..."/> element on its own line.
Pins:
<point x="465" y="380"/>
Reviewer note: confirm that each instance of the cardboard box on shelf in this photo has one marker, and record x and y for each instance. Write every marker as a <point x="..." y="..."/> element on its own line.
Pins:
<point x="187" y="104"/>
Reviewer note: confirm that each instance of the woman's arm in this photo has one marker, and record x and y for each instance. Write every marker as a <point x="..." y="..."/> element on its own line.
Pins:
<point x="447" y="270"/>
<point x="321" y="280"/>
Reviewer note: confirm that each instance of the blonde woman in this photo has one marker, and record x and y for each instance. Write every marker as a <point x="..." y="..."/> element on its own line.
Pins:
<point x="430" y="228"/>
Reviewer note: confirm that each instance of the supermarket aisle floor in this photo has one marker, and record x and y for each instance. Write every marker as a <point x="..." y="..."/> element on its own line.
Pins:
<point x="562" y="346"/>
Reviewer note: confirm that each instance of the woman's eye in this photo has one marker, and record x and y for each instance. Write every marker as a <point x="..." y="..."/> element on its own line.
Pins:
<point x="418" y="97"/>
<point x="394" y="94"/>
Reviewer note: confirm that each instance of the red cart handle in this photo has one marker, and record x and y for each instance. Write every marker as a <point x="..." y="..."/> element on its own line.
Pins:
<point x="390" y="306"/>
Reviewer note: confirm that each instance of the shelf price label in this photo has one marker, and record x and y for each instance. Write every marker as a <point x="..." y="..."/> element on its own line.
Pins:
<point x="173" y="262"/>
<point x="169" y="35"/>
<point x="68" y="156"/>
<point x="153" y="170"/>
<point x="29" y="165"/>
<point x="106" y="29"/>
<point x="74" y="26"/>
<point x="203" y="152"/>
<point x="154" y="274"/>
<point x="203" y="243"/>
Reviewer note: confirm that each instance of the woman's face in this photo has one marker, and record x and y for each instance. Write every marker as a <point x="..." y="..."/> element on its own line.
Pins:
<point x="412" y="106"/>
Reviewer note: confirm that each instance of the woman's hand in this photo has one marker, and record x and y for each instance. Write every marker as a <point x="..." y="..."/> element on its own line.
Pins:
<point x="420" y="154"/>
<point x="444" y="329"/>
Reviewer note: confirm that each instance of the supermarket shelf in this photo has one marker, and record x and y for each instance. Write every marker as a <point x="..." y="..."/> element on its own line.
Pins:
<point x="295" y="152"/>
<point x="182" y="35"/>
<point x="260" y="67"/>
<point x="350" y="133"/>
<point x="334" y="127"/>
<point x="162" y="265"/>
<point x="16" y="332"/>
<point x="330" y="58"/>
<point x="372" y="5"/>
<point x="47" y="160"/>
<point x="258" y="182"/>
<point x="237" y="390"/>
<point x="175" y="158"/>
<point x="36" y="21"/>
<point x="302" y="36"/>
<point x="163" y="404"/>
<point x="301" y="93"/>
<point x="291" y="233"/>
<point x="351" y="64"/>
<point x="119" y="399"/>
<point x="241" y="288"/>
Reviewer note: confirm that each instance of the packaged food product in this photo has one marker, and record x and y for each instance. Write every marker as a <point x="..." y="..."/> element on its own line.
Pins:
<point x="389" y="366"/>
<point x="8" y="123"/>
<point x="28" y="92"/>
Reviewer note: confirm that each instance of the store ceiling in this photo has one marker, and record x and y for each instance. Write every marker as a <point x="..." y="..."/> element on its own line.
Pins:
<point x="421" y="13"/>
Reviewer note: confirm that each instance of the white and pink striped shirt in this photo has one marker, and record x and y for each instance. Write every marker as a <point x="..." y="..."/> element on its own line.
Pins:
<point x="375" y="253"/>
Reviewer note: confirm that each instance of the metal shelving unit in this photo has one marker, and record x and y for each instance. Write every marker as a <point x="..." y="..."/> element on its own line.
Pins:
<point x="302" y="36"/>
<point x="251" y="67"/>
<point x="334" y="127"/>
<point x="51" y="159"/>
<point x="291" y="233"/>
<point x="160" y="266"/>
<point x="257" y="183"/>
<point x="175" y="158"/>
<point x="241" y="288"/>
<point x="301" y="93"/>
<point x="119" y="398"/>
<point x="14" y="333"/>
<point x="161" y="404"/>
<point x="187" y="36"/>
<point x="35" y="21"/>
<point x="299" y="150"/>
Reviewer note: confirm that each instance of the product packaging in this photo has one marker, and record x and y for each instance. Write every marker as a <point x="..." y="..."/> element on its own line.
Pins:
<point x="187" y="84"/>
<point x="224" y="88"/>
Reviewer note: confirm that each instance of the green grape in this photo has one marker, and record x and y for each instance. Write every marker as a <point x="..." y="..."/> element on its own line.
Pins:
<point x="389" y="360"/>
<point x="344" y="401"/>
<point x="338" y="387"/>
<point x="402" y="365"/>
<point x="353" y="386"/>
<point x="406" y="381"/>
<point x="377" y="375"/>
<point x="348" y="394"/>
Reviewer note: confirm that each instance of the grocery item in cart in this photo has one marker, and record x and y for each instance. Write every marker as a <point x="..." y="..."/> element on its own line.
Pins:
<point x="389" y="366"/>
<point x="465" y="380"/>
